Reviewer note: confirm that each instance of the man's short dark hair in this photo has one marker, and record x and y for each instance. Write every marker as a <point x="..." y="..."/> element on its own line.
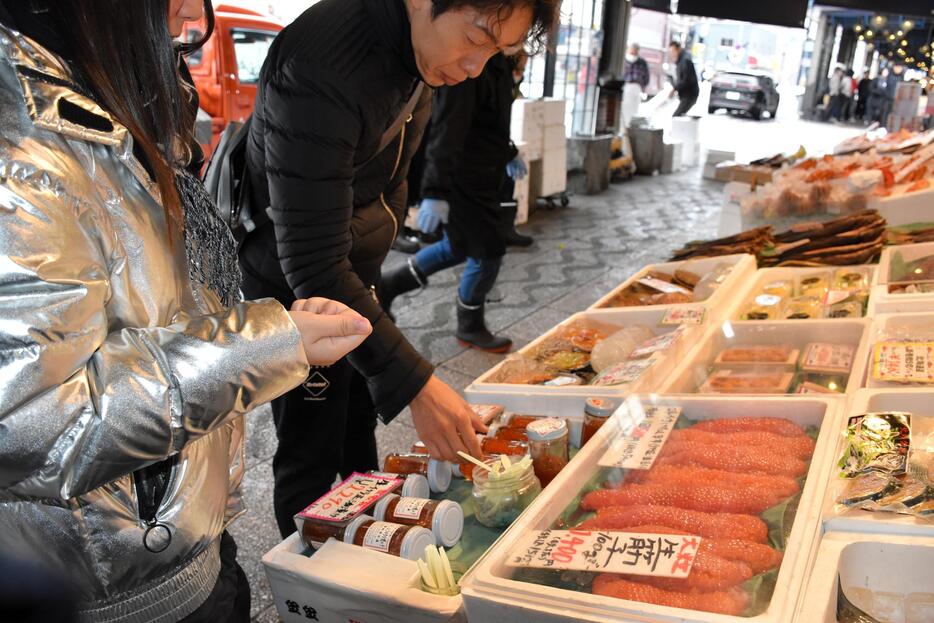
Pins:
<point x="544" y="14"/>
<point x="674" y="44"/>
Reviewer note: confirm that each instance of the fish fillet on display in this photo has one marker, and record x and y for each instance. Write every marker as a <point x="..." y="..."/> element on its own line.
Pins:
<point x="707" y="525"/>
<point x="731" y="458"/>
<point x="781" y="486"/>
<point x="731" y="602"/>
<point x="801" y="446"/>
<point x="779" y="426"/>
<point x="697" y="496"/>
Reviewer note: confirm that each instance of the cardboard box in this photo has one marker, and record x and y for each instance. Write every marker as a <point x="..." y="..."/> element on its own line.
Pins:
<point x="555" y="138"/>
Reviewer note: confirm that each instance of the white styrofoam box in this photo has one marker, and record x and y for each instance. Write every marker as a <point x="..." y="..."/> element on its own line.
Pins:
<point x="482" y="390"/>
<point x="530" y="151"/>
<point x="919" y="326"/>
<point x="533" y="135"/>
<point x="692" y="372"/>
<point x="918" y="402"/>
<point x="716" y="156"/>
<point x="554" y="170"/>
<point x="672" y="160"/>
<point x="885" y="302"/>
<point x="686" y="130"/>
<point x="490" y="593"/>
<point x="765" y="276"/>
<point x="887" y="564"/>
<point x="553" y="109"/>
<point x="343" y="582"/>
<point x="521" y="195"/>
<point x="527" y="121"/>
<point x="905" y="209"/>
<point x="555" y="138"/>
<point x="720" y="303"/>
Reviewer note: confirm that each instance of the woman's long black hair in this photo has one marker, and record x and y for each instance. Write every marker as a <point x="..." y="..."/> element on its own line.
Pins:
<point x="124" y="56"/>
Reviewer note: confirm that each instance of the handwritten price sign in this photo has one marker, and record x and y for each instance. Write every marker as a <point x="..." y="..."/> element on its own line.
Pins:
<point x="351" y="497"/>
<point x="642" y="435"/>
<point x="660" y="555"/>
<point x="685" y="315"/>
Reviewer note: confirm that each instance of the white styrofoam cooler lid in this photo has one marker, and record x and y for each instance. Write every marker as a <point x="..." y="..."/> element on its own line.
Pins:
<point x="490" y="593"/>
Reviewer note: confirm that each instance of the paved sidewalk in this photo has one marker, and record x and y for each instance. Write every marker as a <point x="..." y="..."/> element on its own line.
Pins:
<point x="580" y="253"/>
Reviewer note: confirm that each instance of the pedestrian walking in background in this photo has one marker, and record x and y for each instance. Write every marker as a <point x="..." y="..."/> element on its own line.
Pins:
<point x="635" y="81"/>
<point x="685" y="85"/>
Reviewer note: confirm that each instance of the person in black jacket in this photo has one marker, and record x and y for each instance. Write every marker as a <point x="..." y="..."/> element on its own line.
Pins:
<point x="334" y="82"/>
<point x="685" y="79"/>
<point x="466" y="161"/>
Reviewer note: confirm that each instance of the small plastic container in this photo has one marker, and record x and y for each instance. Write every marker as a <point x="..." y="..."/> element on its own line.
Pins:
<point x="805" y="307"/>
<point x="491" y="447"/>
<point x="814" y="285"/>
<point x="596" y="413"/>
<point x="444" y="518"/>
<point x="548" y="444"/>
<point x="408" y="542"/>
<point x="764" y="307"/>
<point x="782" y="288"/>
<point x="437" y="472"/>
<point x="413" y="485"/>
<point x="499" y="501"/>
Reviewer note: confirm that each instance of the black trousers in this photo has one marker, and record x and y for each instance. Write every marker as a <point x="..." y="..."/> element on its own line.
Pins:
<point x="326" y="427"/>
<point x="685" y="103"/>
<point x="229" y="601"/>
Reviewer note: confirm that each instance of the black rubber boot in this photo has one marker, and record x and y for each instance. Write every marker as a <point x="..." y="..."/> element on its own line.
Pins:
<point x="515" y="239"/>
<point x="472" y="331"/>
<point x="398" y="281"/>
<point x="406" y="242"/>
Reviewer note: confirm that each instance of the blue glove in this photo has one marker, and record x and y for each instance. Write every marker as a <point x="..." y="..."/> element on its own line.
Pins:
<point x="431" y="213"/>
<point x="516" y="168"/>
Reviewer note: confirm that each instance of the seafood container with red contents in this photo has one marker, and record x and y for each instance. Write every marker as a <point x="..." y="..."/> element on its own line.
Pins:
<point x="742" y="481"/>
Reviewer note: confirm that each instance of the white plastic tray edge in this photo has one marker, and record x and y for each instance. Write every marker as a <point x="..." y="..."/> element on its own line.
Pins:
<point x="885" y="303"/>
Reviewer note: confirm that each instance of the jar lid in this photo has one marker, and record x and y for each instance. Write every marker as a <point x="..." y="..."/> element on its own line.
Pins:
<point x="547" y="429"/>
<point x="416" y="486"/>
<point x="448" y="523"/>
<point x="379" y="510"/>
<point x="439" y="475"/>
<point x="351" y="529"/>
<point x="415" y="541"/>
<point x="601" y="407"/>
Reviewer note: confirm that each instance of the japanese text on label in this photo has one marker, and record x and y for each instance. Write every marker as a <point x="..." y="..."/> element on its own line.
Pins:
<point x="642" y="436"/>
<point x="351" y="497"/>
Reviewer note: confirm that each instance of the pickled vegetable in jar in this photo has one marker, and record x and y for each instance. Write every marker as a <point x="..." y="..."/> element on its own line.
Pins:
<point x="596" y="412"/>
<point x="437" y="472"/>
<point x="407" y="542"/>
<point x="444" y="518"/>
<point x="548" y="445"/>
<point x="500" y="499"/>
<point x="413" y="485"/>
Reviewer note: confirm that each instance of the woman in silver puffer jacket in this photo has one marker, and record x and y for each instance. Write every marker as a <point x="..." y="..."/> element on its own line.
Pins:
<point x="126" y="356"/>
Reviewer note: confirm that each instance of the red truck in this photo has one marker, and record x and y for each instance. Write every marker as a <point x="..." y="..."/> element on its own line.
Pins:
<point x="226" y="70"/>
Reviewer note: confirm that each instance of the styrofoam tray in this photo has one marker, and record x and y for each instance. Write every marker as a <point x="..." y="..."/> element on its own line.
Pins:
<point x="918" y="402"/>
<point x="744" y="265"/>
<point x="491" y="595"/>
<point x="694" y="370"/>
<point x="481" y="390"/>
<point x="882" y="301"/>
<point x="897" y="564"/>
<point x="343" y="582"/>
<point x="905" y="209"/>
<point x="896" y="326"/>
<point x="766" y="276"/>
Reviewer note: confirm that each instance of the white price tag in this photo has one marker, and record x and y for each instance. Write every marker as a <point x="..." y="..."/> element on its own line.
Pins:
<point x="642" y="436"/>
<point x="658" y="344"/>
<point x="625" y="372"/>
<point x="663" y="286"/>
<point x="409" y="508"/>
<point x="351" y="497"/>
<point x="659" y="555"/>
<point x="685" y="315"/>
<point x="379" y="535"/>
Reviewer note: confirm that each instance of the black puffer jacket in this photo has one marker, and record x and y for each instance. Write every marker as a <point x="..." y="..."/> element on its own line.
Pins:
<point x="334" y="81"/>
<point x="466" y="154"/>
<point x="686" y="77"/>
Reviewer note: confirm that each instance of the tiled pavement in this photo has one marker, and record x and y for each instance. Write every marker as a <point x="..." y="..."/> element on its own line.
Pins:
<point x="580" y="253"/>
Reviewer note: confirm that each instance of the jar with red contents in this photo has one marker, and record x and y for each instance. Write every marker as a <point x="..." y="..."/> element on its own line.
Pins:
<point x="437" y="472"/>
<point x="596" y="412"/>
<point x="407" y="542"/>
<point x="444" y="518"/>
<point x="521" y="421"/>
<point x="548" y="443"/>
<point x="492" y="447"/>
<point x="510" y="434"/>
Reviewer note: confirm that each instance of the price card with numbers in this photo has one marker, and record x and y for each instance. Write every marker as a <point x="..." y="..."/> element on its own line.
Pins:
<point x="695" y="314"/>
<point x="607" y="551"/>
<point x="351" y="497"/>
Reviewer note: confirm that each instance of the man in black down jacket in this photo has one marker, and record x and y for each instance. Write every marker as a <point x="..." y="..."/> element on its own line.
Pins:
<point x="466" y="159"/>
<point x="685" y="78"/>
<point x="334" y="82"/>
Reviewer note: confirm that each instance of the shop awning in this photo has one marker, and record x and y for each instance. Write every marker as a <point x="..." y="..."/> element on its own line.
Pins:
<point x="786" y="13"/>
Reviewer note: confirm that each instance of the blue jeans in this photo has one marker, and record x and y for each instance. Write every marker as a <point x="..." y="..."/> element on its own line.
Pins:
<point x="479" y="275"/>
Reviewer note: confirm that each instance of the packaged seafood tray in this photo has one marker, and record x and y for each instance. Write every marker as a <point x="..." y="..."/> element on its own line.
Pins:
<point x="826" y="357"/>
<point x="831" y="292"/>
<point x="901" y="351"/>
<point x="667" y="481"/>
<point x="857" y="576"/>
<point x="709" y="282"/>
<point x="872" y="499"/>
<point x="906" y="279"/>
<point x="611" y="353"/>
